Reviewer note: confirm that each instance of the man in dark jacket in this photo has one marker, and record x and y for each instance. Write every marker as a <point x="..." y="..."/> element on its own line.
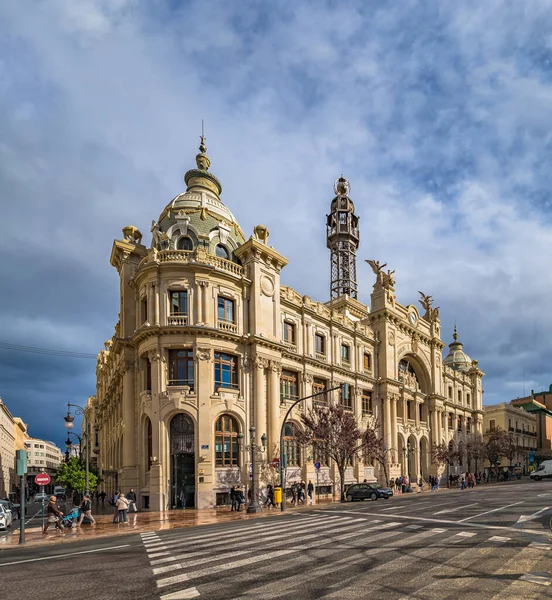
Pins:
<point x="131" y="497"/>
<point x="86" y="511"/>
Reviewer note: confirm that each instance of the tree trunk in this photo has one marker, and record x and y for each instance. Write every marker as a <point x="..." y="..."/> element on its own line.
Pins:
<point x="341" y="469"/>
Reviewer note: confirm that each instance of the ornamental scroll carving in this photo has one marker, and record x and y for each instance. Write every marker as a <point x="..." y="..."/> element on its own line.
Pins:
<point x="203" y="353"/>
<point x="261" y="362"/>
<point x="155" y="355"/>
<point x="276" y="366"/>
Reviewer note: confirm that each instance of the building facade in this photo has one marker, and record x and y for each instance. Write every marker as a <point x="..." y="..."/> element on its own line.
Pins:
<point x="42" y="457"/>
<point x="539" y="404"/>
<point x="209" y="343"/>
<point x="7" y="451"/>
<point x="521" y="425"/>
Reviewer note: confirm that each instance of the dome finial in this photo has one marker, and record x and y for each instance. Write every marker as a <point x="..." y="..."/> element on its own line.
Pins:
<point x="202" y="160"/>
<point x="455" y="334"/>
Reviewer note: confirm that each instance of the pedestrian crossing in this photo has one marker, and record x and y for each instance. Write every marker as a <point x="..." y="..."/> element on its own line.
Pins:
<point x="339" y="556"/>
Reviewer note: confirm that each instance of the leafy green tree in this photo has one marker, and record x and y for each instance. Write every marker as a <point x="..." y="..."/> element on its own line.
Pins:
<point x="72" y="475"/>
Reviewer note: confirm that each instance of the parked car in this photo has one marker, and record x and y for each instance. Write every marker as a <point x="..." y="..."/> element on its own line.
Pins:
<point x="543" y="472"/>
<point x="41" y="496"/>
<point x="9" y="505"/>
<point x="362" y="491"/>
<point x="6" y="517"/>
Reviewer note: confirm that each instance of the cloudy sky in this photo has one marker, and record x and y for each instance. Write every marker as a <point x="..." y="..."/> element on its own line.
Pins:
<point x="438" y="114"/>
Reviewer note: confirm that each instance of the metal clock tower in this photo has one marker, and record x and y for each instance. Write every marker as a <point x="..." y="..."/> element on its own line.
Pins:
<point x="342" y="239"/>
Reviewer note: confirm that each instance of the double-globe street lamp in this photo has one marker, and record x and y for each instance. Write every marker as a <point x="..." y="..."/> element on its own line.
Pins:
<point x="254" y="448"/>
<point x="69" y="444"/>
<point x="407" y="454"/>
<point x="69" y="424"/>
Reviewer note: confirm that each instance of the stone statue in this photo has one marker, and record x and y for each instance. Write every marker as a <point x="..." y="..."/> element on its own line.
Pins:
<point x="261" y="233"/>
<point x="132" y="234"/>
<point x="388" y="281"/>
<point x="431" y="314"/>
<point x="154" y="234"/>
<point x="426" y="301"/>
<point x="376" y="267"/>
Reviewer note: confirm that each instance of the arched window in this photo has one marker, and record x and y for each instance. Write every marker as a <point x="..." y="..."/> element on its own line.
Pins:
<point x="185" y="243"/>
<point x="226" y="442"/>
<point x="222" y="252"/>
<point x="292" y="448"/>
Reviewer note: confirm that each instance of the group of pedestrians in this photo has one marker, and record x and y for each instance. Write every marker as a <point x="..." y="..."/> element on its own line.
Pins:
<point x="122" y="505"/>
<point x="399" y="485"/>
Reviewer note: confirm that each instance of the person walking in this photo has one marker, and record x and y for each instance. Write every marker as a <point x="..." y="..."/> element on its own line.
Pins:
<point x="122" y="506"/>
<point x="115" y="507"/>
<point x="270" y="496"/>
<point x="53" y="516"/>
<point x="131" y="497"/>
<point x="86" y="511"/>
<point x="240" y="498"/>
<point x="233" y="498"/>
<point x="102" y="497"/>
<point x="310" y="491"/>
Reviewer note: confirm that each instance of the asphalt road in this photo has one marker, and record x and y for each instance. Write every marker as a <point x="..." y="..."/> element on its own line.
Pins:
<point x="483" y="543"/>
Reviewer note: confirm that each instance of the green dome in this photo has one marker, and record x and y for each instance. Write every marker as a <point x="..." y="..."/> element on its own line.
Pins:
<point x="198" y="216"/>
<point x="457" y="359"/>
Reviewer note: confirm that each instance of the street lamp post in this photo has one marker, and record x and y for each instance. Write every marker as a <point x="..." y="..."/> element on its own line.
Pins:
<point x="282" y="476"/>
<point x="69" y="424"/>
<point x="407" y="453"/>
<point x="254" y="448"/>
<point x="68" y="445"/>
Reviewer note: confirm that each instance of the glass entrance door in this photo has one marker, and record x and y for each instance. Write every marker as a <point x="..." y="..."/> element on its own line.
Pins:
<point x="182" y="462"/>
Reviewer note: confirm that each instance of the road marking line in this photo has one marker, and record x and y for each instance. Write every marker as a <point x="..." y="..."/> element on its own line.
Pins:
<point x="540" y="579"/>
<point x="449" y="522"/>
<point x="166" y="569"/>
<point x="181" y="595"/>
<point x="449" y="510"/>
<point x="540" y="546"/>
<point x="68" y="554"/>
<point x="497" y="538"/>
<point x="524" y="518"/>
<point x="491" y="511"/>
<point x="467" y="534"/>
<point x="438" y="530"/>
<point x="414" y="527"/>
<point x="172" y="580"/>
<point x="376" y="521"/>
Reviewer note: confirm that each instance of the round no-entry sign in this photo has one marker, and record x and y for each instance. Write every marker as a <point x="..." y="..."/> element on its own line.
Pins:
<point x="275" y="462"/>
<point x="42" y="479"/>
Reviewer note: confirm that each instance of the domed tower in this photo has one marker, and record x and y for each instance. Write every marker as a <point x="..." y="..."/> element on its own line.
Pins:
<point x="342" y="240"/>
<point x="457" y="359"/>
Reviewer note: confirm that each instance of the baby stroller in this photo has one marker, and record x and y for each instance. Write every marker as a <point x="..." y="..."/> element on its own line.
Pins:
<point x="70" y="520"/>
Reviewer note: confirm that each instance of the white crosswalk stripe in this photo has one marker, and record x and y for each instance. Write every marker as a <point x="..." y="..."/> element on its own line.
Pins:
<point x="347" y="553"/>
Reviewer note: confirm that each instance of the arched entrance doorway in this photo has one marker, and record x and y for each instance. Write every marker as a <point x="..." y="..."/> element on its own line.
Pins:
<point x="182" y="444"/>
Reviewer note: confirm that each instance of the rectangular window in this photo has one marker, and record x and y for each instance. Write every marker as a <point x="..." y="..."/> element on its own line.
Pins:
<point x="225" y="310"/>
<point x="492" y="424"/>
<point x="318" y="454"/>
<point x="410" y="410"/>
<point x="226" y="370"/>
<point x="450" y="420"/>
<point x="289" y="332"/>
<point x="345" y="353"/>
<point x="459" y="423"/>
<point x="450" y="392"/>
<point x="468" y="399"/>
<point x="319" y="386"/>
<point x="421" y="412"/>
<point x="366" y="402"/>
<point x="179" y="303"/>
<point x="460" y="396"/>
<point x="319" y="344"/>
<point x="468" y="425"/>
<point x="181" y="367"/>
<point x="345" y="396"/>
<point x="367" y="362"/>
<point x="288" y="386"/>
<point x="148" y="375"/>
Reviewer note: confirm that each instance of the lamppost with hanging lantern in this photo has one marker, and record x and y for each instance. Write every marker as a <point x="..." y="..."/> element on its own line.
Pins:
<point x="254" y="448"/>
<point x="69" y="424"/>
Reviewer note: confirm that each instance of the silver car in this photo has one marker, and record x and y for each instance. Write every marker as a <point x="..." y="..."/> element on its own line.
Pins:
<point x="6" y="517"/>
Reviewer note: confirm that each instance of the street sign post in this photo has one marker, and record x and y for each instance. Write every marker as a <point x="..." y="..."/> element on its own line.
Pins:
<point x="317" y="467"/>
<point x="42" y="479"/>
<point x="21" y="461"/>
<point x="276" y="463"/>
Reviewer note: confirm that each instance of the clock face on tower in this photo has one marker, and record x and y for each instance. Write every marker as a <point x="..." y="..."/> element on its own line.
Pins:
<point x="413" y="318"/>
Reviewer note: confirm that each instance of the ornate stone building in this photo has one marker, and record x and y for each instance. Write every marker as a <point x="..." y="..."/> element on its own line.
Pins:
<point x="209" y="342"/>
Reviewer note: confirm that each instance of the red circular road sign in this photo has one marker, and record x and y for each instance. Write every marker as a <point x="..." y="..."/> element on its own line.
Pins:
<point x="275" y="462"/>
<point x="42" y="479"/>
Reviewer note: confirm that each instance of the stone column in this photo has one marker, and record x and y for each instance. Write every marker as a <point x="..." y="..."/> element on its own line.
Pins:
<point x="259" y="400"/>
<point x="387" y="420"/>
<point x="198" y="304"/>
<point x="417" y="411"/>
<point x="274" y="424"/>
<point x="130" y="460"/>
<point x="394" y="425"/>
<point x="155" y="292"/>
<point x="205" y="481"/>
<point x="204" y="286"/>
<point x="157" y="487"/>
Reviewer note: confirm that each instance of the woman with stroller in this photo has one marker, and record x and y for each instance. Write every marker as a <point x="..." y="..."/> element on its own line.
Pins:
<point x="53" y="516"/>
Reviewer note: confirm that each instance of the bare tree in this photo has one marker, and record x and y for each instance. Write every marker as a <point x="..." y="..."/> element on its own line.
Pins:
<point x="495" y="446"/>
<point x="511" y="447"/>
<point x="444" y="454"/>
<point x="475" y="449"/>
<point x="375" y="449"/>
<point x="337" y="434"/>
